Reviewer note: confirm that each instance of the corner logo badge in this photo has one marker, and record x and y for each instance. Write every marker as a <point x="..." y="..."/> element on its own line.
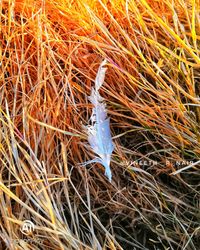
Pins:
<point x="27" y="227"/>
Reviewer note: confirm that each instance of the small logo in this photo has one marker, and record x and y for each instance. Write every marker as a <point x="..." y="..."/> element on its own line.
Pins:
<point x="27" y="227"/>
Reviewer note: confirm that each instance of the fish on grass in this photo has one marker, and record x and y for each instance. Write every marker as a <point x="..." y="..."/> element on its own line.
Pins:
<point x="99" y="135"/>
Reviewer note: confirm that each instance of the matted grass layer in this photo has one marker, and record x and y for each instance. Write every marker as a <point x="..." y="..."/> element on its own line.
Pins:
<point x="50" y="52"/>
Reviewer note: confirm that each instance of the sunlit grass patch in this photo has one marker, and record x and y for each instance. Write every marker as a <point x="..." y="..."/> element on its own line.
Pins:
<point x="50" y="52"/>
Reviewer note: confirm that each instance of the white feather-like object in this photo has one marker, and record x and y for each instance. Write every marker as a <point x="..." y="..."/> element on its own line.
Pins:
<point x="99" y="135"/>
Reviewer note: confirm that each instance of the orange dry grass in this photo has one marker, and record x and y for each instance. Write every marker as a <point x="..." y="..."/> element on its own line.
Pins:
<point x="50" y="52"/>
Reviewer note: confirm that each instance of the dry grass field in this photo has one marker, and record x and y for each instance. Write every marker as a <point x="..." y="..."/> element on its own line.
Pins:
<point x="50" y="52"/>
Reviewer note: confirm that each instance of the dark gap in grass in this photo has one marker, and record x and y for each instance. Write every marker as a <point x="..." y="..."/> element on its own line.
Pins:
<point x="192" y="178"/>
